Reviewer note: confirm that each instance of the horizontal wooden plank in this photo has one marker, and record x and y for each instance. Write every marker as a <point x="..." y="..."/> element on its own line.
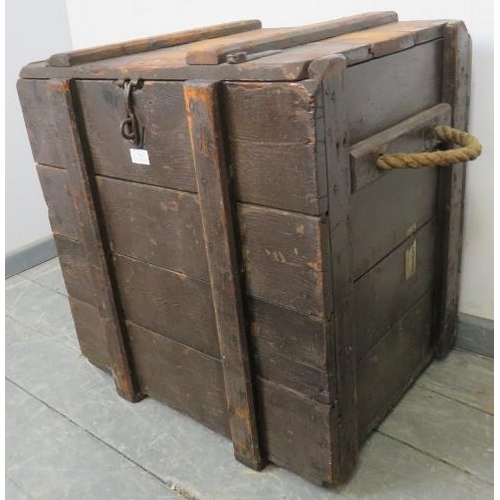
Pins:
<point x="386" y="212"/>
<point x="158" y="225"/>
<point x="392" y="364"/>
<point x="159" y="107"/>
<point x="412" y="135"/>
<point x="56" y="191"/>
<point x="47" y="139"/>
<point x="282" y="255"/>
<point x="169" y="303"/>
<point x="385" y="293"/>
<point x="296" y="432"/>
<point x="386" y="91"/>
<point x="183" y="378"/>
<point x="90" y="333"/>
<point x="76" y="270"/>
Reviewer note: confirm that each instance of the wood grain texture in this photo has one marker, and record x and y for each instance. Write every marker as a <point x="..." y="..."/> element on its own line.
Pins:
<point x="41" y="123"/>
<point x="154" y="224"/>
<point x="291" y="38"/>
<point x="385" y="212"/>
<point x="151" y="43"/>
<point x="393" y="363"/>
<point x="411" y="135"/>
<point x="330" y="72"/>
<point x="297" y="432"/>
<point x="159" y="107"/>
<point x="76" y="270"/>
<point x="212" y="178"/>
<point x="90" y="333"/>
<point x="456" y="92"/>
<point x="62" y="99"/>
<point x="180" y="376"/>
<point x="384" y="294"/>
<point x="57" y="195"/>
<point x="386" y="91"/>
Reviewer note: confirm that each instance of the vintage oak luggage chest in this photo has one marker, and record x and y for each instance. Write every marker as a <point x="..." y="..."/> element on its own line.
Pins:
<point x="229" y="243"/>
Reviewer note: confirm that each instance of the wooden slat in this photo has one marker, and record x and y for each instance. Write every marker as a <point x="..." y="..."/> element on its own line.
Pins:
<point x="392" y="364"/>
<point x="385" y="293"/>
<point x="151" y="43"/>
<point x="181" y="377"/>
<point x="330" y="72"/>
<point x="456" y="92"/>
<point x="216" y="212"/>
<point x="291" y="38"/>
<point x="412" y="135"/>
<point x="62" y="98"/>
<point x="56" y="192"/>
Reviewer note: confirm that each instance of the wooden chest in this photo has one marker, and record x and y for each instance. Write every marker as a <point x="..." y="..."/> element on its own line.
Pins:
<point x="228" y="243"/>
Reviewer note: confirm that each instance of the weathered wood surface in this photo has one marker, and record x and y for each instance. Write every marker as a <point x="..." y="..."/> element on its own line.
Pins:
<point x="75" y="267"/>
<point x="384" y="294"/>
<point x="180" y="376"/>
<point x="291" y="38"/>
<point x="154" y="224"/>
<point x="386" y="91"/>
<point x="151" y="43"/>
<point x="411" y="135"/>
<point x="218" y="218"/>
<point x="62" y="104"/>
<point x="287" y="64"/>
<point x="456" y="92"/>
<point x="387" y="211"/>
<point x="90" y="333"/>
<point x="297" y="433"/>
<point x="392" y="364"/>
<point x="56" y="192"/>
<point x="332" y="122"/>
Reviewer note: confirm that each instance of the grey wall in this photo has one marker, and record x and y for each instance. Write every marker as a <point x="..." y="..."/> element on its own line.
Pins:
<point x="34" y="29"/>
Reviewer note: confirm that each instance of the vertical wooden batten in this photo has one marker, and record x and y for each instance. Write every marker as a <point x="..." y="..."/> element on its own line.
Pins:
<point x="456" y="92"/>
<point x="202" y="110"/>
<point x="63" y="100"/>
<point x="329" y="72"/>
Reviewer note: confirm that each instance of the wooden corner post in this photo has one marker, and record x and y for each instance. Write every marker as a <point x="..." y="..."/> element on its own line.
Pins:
<point x="333" y="134"/>
<point x="62" y="97"/>
<point x="456" y="92"/>
<point x="201" y="101"/>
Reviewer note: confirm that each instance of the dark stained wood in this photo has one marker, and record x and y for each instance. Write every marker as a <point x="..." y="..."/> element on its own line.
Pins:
<point x="282" y="255"/>
<point x="456" y="92"/>
<point x="386" y="91"/>
<point x="84" y="198"/>
<point x="297" y="432"/>
<point x="41" y="123"/>
<point x="169" y="303"/>
<point x="212" y="178"/>
<point x="412" y="135"/>
<point x="387" y="211"/>
<point x="291" y="38"/>
<point x="385" y="294"/>
<point x="330" y="72"/>
<point x="159" y="107"/>
<point x="90" y="333"/>
<point x="151" y="43"/>
<point x="392" y="364"/>
<point x="180" y="376"/>
<point x="158" y="225"/>
<point x="56" y="192"/>
<point x="76" y="270"/>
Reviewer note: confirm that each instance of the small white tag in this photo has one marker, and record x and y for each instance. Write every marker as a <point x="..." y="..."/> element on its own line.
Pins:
<point x="139" y="156"/>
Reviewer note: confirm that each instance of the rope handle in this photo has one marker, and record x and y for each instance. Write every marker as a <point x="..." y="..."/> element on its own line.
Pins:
<point x="470" y="149"/>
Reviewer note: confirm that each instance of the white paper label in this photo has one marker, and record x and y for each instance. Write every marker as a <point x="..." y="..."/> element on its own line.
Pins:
<point x="139" y="156"/>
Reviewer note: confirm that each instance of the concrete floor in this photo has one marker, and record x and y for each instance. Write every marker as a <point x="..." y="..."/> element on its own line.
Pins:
<point x="69" y="436"/>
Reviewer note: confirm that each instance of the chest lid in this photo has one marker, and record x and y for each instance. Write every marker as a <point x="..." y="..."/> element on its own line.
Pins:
<point x="241" y="50"/>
